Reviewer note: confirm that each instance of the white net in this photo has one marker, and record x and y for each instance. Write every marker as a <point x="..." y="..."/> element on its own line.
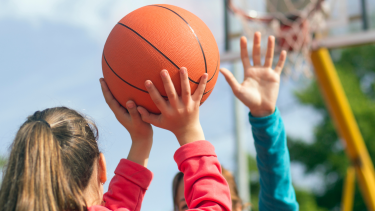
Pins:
<point x="294" y="23"/>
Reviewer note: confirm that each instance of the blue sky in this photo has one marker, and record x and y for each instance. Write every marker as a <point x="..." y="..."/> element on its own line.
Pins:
<point x="50" y="55"/>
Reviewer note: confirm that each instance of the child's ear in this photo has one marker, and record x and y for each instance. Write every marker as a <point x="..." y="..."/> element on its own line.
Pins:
<point x="102" y="171"/>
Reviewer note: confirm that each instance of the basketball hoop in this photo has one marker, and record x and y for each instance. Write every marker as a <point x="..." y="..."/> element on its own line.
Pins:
<point x="292" y="24"/>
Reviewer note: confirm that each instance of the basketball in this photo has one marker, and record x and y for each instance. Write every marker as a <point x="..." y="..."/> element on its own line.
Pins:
<point x="153" y="38"/>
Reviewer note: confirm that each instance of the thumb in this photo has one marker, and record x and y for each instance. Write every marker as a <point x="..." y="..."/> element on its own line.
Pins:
<point x="232" y="81"/>
<point x="147" y="117"/>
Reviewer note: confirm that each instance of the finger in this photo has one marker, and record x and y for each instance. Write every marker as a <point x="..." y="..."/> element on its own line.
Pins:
<point x="197" y="96"/>
<point x="256" y="49"/>
<point x="148" y="117"/>
<point x="281" y="62"/>
<point x="185" y="85"/>
<point x="244" y="54"/>
<point x="110" y="100"/>
<point x="232" y="81"/>
<point x="270" y="50"/>
<point x="169" y="87"/>
<point x="132" y="109"/>
<point x="155" y="96"/>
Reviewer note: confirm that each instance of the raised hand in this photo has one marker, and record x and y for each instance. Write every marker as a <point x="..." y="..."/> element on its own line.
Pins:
<point x="260" y="87"/>
<point x="140" y="131"/>
<point x="179" y="114"/>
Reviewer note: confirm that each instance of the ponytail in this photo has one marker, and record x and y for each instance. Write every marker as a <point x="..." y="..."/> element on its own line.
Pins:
<point x="50" y="163"/>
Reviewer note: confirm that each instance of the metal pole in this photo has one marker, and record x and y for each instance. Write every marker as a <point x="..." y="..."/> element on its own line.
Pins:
<point x="348" y="191"/>
<point x="345" y="122"/>
<point x="226" y="26"/>
<point x="242" y="164"/>
<point x="241" y="175"/>
<point x="365" y="23"/>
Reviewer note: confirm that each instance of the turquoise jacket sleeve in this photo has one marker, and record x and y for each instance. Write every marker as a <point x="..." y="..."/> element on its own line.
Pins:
<point x="276" y="190"/>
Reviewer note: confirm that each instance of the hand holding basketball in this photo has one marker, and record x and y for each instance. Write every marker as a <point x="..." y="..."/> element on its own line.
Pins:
<point x="140" y="131"/>
<point x="179" y="114"/>
<point x="131" y="120"/>
<point x="260" y="87"/>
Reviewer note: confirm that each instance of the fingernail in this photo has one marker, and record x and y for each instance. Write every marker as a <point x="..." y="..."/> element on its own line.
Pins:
<point x="130" y="104"/>
<point x="164" y="73"/>
<point x="139" y="110"/>
<point x="148" y="83"/>
<point x="205" y="76"/>
<point x="183" y="70"/>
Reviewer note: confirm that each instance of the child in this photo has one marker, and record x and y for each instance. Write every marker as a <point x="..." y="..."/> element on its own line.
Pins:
<point x="259" y="92"/>
<point x="55" y="163"/>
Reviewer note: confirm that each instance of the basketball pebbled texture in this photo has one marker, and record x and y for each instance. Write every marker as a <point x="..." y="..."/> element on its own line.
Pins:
<point x="153" y="38"/>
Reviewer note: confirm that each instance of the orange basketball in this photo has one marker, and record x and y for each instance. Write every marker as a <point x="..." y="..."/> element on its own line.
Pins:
<point x="153" y="38"/>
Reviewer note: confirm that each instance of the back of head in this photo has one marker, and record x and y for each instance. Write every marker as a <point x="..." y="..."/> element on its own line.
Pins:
<point x="50" y="163"/>
<point x="178" y="178"/>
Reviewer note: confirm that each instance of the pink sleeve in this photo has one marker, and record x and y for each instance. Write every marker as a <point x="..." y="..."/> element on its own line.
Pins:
<point x="205" y="187"/>
<point x="127" y="187"/>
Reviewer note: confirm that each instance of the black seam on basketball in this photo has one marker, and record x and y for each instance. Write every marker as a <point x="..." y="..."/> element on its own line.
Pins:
<point x="204" y="94"/>
<point x="208" y="91"/>
<point x="217" y="62"/>
<point x="132" y="84"/>
<point x="192" y="30"/>
<point x="126" y="81"/>
<point x="155" y="48"/>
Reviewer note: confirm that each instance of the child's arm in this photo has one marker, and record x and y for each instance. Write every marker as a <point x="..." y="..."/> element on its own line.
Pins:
<point x="276" y="192"/>
<point x="259" y="92"/>
<point x="205" y="187"/>
<point x="132" y="178"/>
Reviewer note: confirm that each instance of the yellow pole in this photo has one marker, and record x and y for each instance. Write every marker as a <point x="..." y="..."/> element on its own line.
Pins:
<point x="345" y="122"/>
<point x="348" y="191"/>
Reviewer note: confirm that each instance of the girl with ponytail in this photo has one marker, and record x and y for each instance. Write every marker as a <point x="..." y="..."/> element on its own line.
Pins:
<point x="55" y="163"/>
<point x="52" y="160"/>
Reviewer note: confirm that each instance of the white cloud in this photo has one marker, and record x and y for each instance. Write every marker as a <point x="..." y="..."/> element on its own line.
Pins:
<point x="98" y="17"/>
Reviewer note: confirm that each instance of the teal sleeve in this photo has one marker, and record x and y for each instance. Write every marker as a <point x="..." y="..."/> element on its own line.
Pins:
<point x="276" y="189"/>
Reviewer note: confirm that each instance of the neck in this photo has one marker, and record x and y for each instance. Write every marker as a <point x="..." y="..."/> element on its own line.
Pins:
<point x="93" y="195"/>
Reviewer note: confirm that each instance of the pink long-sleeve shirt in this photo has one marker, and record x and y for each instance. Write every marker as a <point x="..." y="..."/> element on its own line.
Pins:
<point x="205" y="187"/>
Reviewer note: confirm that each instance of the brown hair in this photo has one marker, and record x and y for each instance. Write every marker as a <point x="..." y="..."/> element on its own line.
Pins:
<point x="236" y="200"/>
<point x="176" y="182"/>
<point x="51" y="162"/>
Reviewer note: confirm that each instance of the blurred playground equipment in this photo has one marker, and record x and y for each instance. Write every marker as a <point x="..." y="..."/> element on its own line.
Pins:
<point x="307" y="29"/>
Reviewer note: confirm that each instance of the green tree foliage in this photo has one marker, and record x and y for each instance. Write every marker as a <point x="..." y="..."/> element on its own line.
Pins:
<point x="2" y="162"/>
<point x="325" y="155"/>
